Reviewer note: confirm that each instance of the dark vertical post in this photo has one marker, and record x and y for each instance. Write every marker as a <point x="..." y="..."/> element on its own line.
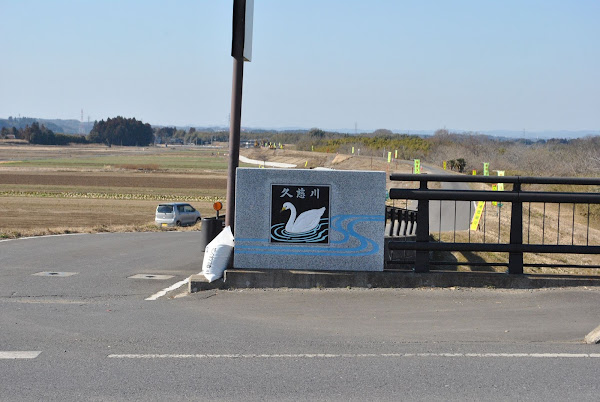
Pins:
<point x="515" y="259"/>
<point x="422" y="256"/>
<point x="237" y="52"/>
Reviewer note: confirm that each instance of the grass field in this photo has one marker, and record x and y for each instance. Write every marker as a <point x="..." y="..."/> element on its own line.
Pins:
<point x="131" y="158"/>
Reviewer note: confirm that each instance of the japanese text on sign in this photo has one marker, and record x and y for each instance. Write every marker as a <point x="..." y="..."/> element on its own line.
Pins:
<point x="300" y="193"/>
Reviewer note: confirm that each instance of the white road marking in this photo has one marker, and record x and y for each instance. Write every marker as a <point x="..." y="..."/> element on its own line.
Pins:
<point x="18" y="299"/>
<point x="41" y="237"/>
<point x="170" y="288"/>
<point x="20" y="355"/>
<point x="54" y="235"/>
<point x="359" y="355"/>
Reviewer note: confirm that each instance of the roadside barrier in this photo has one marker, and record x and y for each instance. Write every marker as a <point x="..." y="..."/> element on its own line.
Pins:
<point x="513" y="232"/>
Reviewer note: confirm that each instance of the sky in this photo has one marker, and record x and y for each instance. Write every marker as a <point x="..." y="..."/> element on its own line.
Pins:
<point x="468" y="65"/>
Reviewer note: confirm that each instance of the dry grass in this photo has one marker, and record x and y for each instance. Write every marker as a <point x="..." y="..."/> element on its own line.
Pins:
<point x="16" y="234"/>
<point x="26" y="215"/>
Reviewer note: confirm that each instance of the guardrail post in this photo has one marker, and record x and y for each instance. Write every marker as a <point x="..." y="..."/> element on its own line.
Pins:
<point x="422" y="256"/>
<point x="515" y="259"/>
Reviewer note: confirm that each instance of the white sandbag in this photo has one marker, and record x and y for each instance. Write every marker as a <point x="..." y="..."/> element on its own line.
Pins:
<point x="217" y="254"/>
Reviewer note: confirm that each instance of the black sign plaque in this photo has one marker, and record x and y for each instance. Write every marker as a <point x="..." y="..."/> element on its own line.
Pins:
<point x="299" y="214"/>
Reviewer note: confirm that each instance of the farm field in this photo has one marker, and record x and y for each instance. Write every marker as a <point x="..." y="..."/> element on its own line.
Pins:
<point x="68" y="189"/>
<point x="46" y="190"/>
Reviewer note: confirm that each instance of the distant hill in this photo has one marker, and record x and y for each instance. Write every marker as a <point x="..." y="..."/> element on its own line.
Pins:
<point x="56" y="125"/>
<point x="73" y="127"/>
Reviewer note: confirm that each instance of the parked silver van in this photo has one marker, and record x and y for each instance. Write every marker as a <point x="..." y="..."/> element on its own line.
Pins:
<point x="176" y="214"/>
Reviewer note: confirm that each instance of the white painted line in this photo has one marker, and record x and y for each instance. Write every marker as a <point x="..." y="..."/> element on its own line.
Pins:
<point x="170" y="288"/>
<point x="19" y="355"/>
<point x="361" y="355"/>
<point x="41" y="237"/>
<point x="16" y="299"/>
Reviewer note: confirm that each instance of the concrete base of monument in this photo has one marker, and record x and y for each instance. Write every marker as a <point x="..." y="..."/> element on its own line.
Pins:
<point x="282" y="278"/>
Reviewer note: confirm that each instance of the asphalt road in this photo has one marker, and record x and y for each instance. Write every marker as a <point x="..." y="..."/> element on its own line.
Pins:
<point x="447" y="216"/>
<point x="99" y="339"/>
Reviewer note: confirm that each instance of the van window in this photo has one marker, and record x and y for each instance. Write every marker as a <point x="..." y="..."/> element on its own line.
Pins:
<point x="189" y="208"/>
<point x="180" y="208"/>
<point x="165" y="209"/>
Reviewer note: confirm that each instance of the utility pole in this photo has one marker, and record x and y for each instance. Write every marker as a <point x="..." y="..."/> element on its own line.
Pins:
<point x="241" y="49"/>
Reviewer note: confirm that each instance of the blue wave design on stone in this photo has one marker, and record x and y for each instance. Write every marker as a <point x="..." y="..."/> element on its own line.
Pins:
<point x="365" y="247"/>
<point x="316" y="234"/>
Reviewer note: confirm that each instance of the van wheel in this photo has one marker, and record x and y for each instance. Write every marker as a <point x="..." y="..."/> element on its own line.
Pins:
<point x="198" y="220"/>
<point x="178" y="224"/>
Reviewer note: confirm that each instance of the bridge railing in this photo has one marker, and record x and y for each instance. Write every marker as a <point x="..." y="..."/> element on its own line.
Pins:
<point x="400" y="222"/>
<point x="513" y="233"/>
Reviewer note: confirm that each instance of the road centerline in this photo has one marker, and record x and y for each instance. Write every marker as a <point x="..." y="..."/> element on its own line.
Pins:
<point x="13" y="355"/>
<point x="356" y="355"/>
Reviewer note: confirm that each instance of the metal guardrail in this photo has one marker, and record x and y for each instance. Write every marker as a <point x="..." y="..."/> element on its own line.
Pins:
<point x="400" y="222"/>
<point x="515" y="246"/>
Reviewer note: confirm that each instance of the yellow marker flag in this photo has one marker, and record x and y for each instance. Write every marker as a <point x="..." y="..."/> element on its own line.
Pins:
<point x="500" y="185"/>
<point x="494" y="188"/>
<point x="306" y="164"/>
<point x="417" y="168"/>
<point x="353" y="150"/>
<point x="486" y="169"/>
<point x="389" y="157"/>
<point x="444" y="164"/>
<point x="396" y="154"/>
<point x="477" y="216"/>
<point x="474" y="172"/>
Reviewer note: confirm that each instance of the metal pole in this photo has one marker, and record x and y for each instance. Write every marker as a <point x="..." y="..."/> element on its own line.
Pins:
<point x="422" y="256"/>
<point x="234" y="138"/>
<point x="237" y="52"/>
<point x="515" y="259"/>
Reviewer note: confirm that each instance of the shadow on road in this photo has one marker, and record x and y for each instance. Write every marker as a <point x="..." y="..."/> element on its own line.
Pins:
<point x="469" y="257"/>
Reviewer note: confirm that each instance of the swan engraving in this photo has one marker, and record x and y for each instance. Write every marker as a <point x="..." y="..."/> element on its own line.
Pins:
<point x="306" y="221"/>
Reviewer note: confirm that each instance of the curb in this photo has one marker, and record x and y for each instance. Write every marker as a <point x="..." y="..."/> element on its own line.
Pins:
<point x="198" y="283"/>
<point x="275" y="278"/>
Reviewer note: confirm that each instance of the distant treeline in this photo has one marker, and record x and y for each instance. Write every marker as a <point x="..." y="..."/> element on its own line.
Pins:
<point x="462" y="151"/>
<point x="71" y="126"/>
<point x="121" y="131"/>
<point x="36" y="134"/>
<point x="118" y="131"/>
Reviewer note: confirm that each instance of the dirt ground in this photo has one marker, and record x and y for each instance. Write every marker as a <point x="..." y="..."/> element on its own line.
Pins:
<point x="25" y="214"/>
<point x="52" y="196"/>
